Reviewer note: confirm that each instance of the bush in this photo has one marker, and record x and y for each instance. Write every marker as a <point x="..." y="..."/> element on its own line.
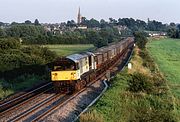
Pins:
<point x="9" y="43"/>
<point x="147" y="61"/>
<point x="13" y="56"/>
<point x="91" y="117"/>
<point x="140" y="83"/>
<point x="148" y="115"/>
<point x="140" y="39"/>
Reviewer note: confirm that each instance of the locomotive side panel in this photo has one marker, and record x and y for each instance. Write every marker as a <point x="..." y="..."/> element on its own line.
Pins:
<point x="105" y="56"/>
<point x="109" y="54"/>
<point x="84" y="65"/>
<point x="99" y="59"/>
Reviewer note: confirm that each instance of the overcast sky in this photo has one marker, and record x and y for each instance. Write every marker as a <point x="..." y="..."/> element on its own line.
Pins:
<point x="56" y="11"/>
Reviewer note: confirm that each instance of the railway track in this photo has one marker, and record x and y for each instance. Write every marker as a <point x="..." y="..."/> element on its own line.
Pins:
<point x="31" y="113"/>
<point x="17" y="96"/>
<point x="23" y="104"/>
<point x="12" y="105"/>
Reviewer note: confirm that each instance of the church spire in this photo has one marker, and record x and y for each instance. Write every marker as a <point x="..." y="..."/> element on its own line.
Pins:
<point x="79" y="16"/>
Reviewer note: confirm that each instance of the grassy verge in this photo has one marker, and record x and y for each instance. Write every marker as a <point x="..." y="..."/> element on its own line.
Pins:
<point x="137" y="95"/>
<point x="166" y="53"/>
<point x="63" y="50"/>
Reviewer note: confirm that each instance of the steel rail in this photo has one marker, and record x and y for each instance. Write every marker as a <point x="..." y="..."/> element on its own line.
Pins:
<point x="14" y="108"/>
<point x="28" y="112"/>
<point x="19" y="99"/>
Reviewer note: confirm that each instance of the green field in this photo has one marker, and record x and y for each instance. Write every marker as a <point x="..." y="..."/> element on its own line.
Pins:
<point x="166" y="53"/>
<point x="63" y="50"/>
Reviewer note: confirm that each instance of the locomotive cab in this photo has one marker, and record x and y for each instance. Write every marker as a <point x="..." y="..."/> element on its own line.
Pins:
<point x="65" y="69"/>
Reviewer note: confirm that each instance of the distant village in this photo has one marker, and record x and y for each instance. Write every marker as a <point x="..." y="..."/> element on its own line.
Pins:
<point x="60" y="28"/>
<point x="72" y="26"/>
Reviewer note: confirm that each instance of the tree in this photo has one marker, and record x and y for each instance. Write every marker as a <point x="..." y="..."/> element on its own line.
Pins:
<point x="140" y="39"/>
<point x="172" y="24"/>
<point x="2" y="33"/>
<point x="100" y="43"/>
<point x="178" y="26"/>
<point x="71" y="23"/>
<point x="27" y="32"/>
<point x="14" y="23"/>
<point x="90" y="23"/>
<point x="93" y="23"/>
<point x="1" y="23"/>
<point x="92" y="36"/>
<point x="83" y="20"/>
<point x="113" y="21"/>
<point x="103" y="23"/>
<point x="36" y="22"/>
<point x="9" y="43"/>
<point x="27" y="22"/>
<point x="173" y="32"/>
<point x="141" y="24"/>
<point x="156" y="26"/>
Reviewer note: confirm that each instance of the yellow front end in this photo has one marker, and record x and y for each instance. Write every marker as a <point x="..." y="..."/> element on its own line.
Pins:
<point x="65" y="75"/>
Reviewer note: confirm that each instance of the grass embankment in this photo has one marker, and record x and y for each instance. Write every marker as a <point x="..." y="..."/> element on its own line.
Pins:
<point x="63" y="50"/>
<point x="140" y="94"/>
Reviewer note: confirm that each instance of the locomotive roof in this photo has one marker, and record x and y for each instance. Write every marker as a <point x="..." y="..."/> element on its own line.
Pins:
<point x="77" y="57"/>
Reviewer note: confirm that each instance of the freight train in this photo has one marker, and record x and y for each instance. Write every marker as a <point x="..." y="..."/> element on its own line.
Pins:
<point x="75" y="71"/>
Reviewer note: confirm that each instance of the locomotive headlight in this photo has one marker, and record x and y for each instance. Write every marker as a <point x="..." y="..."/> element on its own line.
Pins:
<point x="55" y="74"/>
<point x="73" y="74"/>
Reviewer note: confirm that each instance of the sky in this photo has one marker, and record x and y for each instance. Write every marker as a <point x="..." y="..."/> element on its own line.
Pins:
<point x="56" y="11"/>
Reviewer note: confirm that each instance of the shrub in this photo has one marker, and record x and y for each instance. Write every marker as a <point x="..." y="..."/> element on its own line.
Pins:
<point x="140" y="39"/>
<point x="9" y="43"/>
<point x="147" y="61"/>
<point x="152" y="115"/>
<point x="140" y="83"/>
<point x="91" y="117"/>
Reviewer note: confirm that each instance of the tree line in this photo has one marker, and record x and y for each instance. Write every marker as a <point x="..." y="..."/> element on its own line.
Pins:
<point x="32" y="34"/>
<point x="35" y="33"/>
<point x="174" y="30"/>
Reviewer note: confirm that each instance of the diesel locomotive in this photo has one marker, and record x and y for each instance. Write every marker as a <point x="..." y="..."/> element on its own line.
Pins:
<point x="75" y="71"/>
